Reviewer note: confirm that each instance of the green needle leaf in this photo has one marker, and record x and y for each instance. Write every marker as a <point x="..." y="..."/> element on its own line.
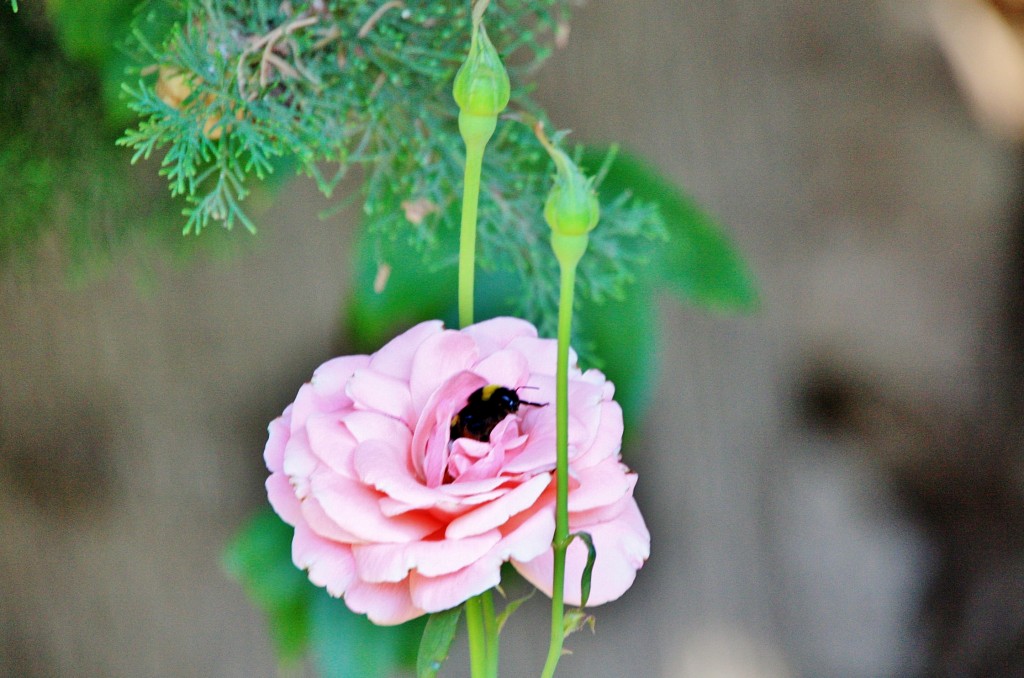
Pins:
<point x="437" y="640"/>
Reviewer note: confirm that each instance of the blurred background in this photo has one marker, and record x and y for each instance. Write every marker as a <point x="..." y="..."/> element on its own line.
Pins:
<point x="833" y="484"/>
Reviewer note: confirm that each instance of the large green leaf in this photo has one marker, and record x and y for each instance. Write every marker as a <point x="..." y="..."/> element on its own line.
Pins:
<point x="302" y="617"/>
<point x="437" y="641"/>
<point x="700" y="263"/>
<point x="259" y="558"/>
<point x="410" y="293"/>
<point x="348" y="645"/>
<point x="622" y="336"/>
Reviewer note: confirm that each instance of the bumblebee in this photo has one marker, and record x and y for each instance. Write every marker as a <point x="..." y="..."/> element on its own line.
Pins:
<point x="485" y="408"/>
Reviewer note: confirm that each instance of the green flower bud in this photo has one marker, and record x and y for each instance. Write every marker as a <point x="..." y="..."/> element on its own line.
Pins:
<point x="572" y="207"/>
<point x="482" y="86"/>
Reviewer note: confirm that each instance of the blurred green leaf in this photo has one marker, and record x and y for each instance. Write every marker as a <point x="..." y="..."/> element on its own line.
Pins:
<point x="408" y="292"/>
<point x="304" y="617"/>
<point x="348" y="645"/>
<point x="90" y="30"/>
<point x="700" y="262"/>
<point x="259" y="558"/>
<point x="437" y="641"/>
<point x="622" y="335"/>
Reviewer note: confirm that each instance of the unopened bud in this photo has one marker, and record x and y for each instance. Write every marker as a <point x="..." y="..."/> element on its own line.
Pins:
<point x="572" y="207"/>
<point x="482" y="86"/>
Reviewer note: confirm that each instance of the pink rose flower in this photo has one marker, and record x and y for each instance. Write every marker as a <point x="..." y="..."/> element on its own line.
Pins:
<point x="400" y="520"/>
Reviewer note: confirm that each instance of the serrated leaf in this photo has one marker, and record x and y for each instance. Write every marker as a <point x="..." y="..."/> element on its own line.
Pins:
<point x="588" y="569"/>
<point x="259" y="558"/>
<point x="437" y="641"/>
<point x="700" y="262"/>
<point x="348" y="645"/>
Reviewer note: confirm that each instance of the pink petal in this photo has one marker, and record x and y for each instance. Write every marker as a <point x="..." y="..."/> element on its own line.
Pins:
<point x="508" y="368"/>
<point x="495" y="334"/>
<point x="394" y="359"/>
<point x="622" y="547"/>
<point x="331" y="442"/>
<point x="328" y="563"/>
<point x="299" y="462"/>
<point x="607" y="441"/>
<point x="320" y="523"/>
<point x="542" y="355"/>
<point x="434" y="594"/>
<point x="393" y="562"/>
<point x="329" y="380"/>
<point x="496" y="513"/>
<point x="282" y="498"/>
<point x="387" y="468"/>
<point x="600" y="485"/>
<point x="384" y="604"/>
<point x="365" y="425"/>
<point x="429" y="442"/>
<point x="277" y="437"/>
<point x="437" y="359"/>
<point x="306" y="403"/>
<point x="530" y="536"/>
<point x="378" y="392"/>
<point x="354" y="508"/>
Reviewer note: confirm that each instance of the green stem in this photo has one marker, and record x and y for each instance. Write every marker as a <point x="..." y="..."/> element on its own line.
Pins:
<point x="561" y="540"/>
<point x="476" y="131"/>
<point x="467" y="239"/>
<point x="477" y="637"/>
<point x="491" y="631"/>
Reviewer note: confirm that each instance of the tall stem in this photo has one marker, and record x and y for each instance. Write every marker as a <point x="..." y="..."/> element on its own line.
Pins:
<point x="477" y="637"/>
<point x="561" y="540"/>
<point x="491" y="632"/>
<point x="476" y="131"/>
<point x="467" y="237"/>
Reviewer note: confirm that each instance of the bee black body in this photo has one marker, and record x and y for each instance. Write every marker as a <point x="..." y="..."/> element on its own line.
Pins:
<point x="485" y="408"/>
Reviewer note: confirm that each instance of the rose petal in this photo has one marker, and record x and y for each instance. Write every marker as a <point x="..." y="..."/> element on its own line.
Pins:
<point x="542" y="355"/>
<point x="378" y="392"/>
<point x="386" y="467"/>
<point x="329" y="380"/>
<point x="331" y="442"/>
<point x="600" y="485"/>
<point x="508" y="368"/>
<point x="497" y="333"/>
<point x="307" y="402"/>
<point x="354" y="508"/>
<point x="277" y="439"/>
<point x="365" y="425"/>
<point x="438" y="358"/>
<point x="384" y="604"/>
<point x="394" y="359"/>
<point x="299" y="462"/>
<point x="607" y="441"/>
<point x="493" y="514"/>
<point x="434" y="594"/>
<point x="393" y="562"/>
<point x="320" y="523"/>
<point x="622" y="547"/>
<point x="429" y="442"/>
<point x="328" y="563"/>
<point x="282" y="498"/>
<point x="528" y="535"/>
